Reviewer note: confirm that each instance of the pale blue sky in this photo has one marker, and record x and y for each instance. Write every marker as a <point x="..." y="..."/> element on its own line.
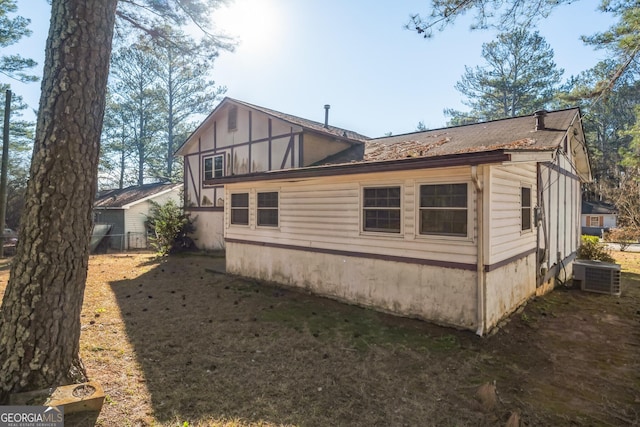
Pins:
<point x="295" y="56"/>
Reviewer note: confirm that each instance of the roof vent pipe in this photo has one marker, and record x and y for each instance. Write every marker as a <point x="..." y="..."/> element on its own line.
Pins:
<point x="326" y="115"/>
<point x="539" y="115"/>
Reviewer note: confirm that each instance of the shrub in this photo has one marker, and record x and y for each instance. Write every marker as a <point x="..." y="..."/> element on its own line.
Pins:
<point x="624" y="236"/>
<point x="170" y="226"/>
<point x="592" y="249"/>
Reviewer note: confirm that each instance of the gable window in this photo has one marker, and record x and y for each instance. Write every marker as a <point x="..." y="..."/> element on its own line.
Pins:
<point x="213" y="166"/>
<point x="240" y="209"/>
<point x="381" y="209"/>
<point x="525" y="206"/>
<point x="232" y="119"/>
<point x="268" y="209"/>
<point x="443" y="209"/>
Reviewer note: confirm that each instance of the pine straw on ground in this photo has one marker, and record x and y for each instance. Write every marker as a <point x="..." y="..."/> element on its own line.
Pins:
<point x="174" y="344"/>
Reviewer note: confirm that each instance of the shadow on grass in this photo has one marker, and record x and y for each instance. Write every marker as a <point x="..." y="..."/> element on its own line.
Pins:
<point x="215" y="347"/>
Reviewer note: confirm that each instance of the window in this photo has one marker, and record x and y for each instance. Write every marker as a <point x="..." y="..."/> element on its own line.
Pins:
<point x="443" y="209"/>
<point x="213" y="166"/>
<point x="525" y="205"/>
<point x="594" y="221"/>
<point x="381" y="209"/>
<point x="240" y="209"/>
<point x="232" y="119"/>
<point x="268" y="209"/>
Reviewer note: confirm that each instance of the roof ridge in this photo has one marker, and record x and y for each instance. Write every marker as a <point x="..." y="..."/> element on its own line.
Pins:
<point x="473" y="124"/>
<point x="284" y="116"/>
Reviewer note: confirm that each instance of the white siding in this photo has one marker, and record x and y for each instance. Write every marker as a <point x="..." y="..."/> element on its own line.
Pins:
<point x="326" y="213"/>
<point x="506" y="238"/>
<point x="136" y="216"/>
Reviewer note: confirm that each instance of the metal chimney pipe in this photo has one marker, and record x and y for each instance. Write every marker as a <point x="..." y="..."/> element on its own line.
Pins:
<point x="539" y="115"/>
<point x="326" y="115"/>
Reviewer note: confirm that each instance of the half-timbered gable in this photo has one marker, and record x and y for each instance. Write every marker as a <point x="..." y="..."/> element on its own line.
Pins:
<point x="239" y="138"/>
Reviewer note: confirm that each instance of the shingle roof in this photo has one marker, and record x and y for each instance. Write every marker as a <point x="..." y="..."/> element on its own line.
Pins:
<point x="118" y="198"/>
<point x="598" y="208"/>
<point x="306" y="123"/>
<point x="516" y="133"/>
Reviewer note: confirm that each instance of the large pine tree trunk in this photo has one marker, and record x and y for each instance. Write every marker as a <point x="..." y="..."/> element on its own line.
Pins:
<point x="40" y="329"/>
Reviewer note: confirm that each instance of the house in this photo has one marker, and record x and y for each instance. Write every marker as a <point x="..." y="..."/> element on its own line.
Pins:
<point x="458" y="226"/>
<point x="597" y="218"/>
<point x="121" y="214"/>
<point x="239" y="138"/>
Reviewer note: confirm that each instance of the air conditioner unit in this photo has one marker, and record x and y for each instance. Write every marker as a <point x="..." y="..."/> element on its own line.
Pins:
<point x="597" y="276"/>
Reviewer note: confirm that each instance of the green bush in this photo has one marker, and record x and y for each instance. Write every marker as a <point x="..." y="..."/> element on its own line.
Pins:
<point x="170" y="226"/>
<point x="592" y="249"/>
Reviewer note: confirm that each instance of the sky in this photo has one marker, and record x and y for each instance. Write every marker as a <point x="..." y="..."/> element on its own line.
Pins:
<point x="295" y="56"/>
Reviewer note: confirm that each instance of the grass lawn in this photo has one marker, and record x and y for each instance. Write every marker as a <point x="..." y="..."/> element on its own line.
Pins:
<point x="174" y="344"/>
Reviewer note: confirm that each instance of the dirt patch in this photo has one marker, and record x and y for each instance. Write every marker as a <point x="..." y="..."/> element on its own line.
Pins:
<point x="171" y="342"/>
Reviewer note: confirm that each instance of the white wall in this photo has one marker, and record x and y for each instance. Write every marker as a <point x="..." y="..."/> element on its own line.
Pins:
<point x="508" y="287"/>
<point x="441" y="295"/>
<point x="136" y="216"/>
<point x="506" y="238"/>
<point x="209" y="234"/>
<point x="326" y="213"/>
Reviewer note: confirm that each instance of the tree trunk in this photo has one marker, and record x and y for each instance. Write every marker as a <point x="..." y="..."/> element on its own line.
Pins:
<point x="40" y="329"/>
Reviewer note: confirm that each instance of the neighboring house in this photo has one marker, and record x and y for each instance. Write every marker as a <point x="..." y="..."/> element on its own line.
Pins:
<point x="238" y="138"/>
<point x="597" y="218"/>
<point x="458" y="226"/>
<point x="126" y="210"/>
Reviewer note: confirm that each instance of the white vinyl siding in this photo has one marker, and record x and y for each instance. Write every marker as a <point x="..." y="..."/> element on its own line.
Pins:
<point x="505" y="210"/>
<point x="325" y="212"/>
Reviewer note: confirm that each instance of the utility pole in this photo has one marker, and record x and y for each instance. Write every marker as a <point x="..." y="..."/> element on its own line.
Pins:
<point x="3" y="171"/>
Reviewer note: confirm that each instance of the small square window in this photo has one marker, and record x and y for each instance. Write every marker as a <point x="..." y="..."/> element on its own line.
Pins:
<point x="240" y="209"/>
<point x="381" y="209"/>
<point x="268" y="209"/>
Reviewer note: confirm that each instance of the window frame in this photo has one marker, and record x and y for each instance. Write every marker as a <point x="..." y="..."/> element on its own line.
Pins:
<point x="468" y="209"/>
<point x="597" y="218"/>
<point x="213" y="174"/>
<point x="364" y="209"/>
<point x="233" y="209"/>
<point x="524" y="208"/>
<point x="260" y="209"/>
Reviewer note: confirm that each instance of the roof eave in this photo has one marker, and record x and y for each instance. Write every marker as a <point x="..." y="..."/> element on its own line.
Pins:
<point x="466" y="159"/>
<point x="151" y="196"/>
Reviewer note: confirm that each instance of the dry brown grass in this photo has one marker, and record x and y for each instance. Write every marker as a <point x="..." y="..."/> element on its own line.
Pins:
<point x="172" y="343"/>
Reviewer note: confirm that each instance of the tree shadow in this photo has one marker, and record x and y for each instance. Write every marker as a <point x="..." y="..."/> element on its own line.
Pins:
<point x="215" y="347"/>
